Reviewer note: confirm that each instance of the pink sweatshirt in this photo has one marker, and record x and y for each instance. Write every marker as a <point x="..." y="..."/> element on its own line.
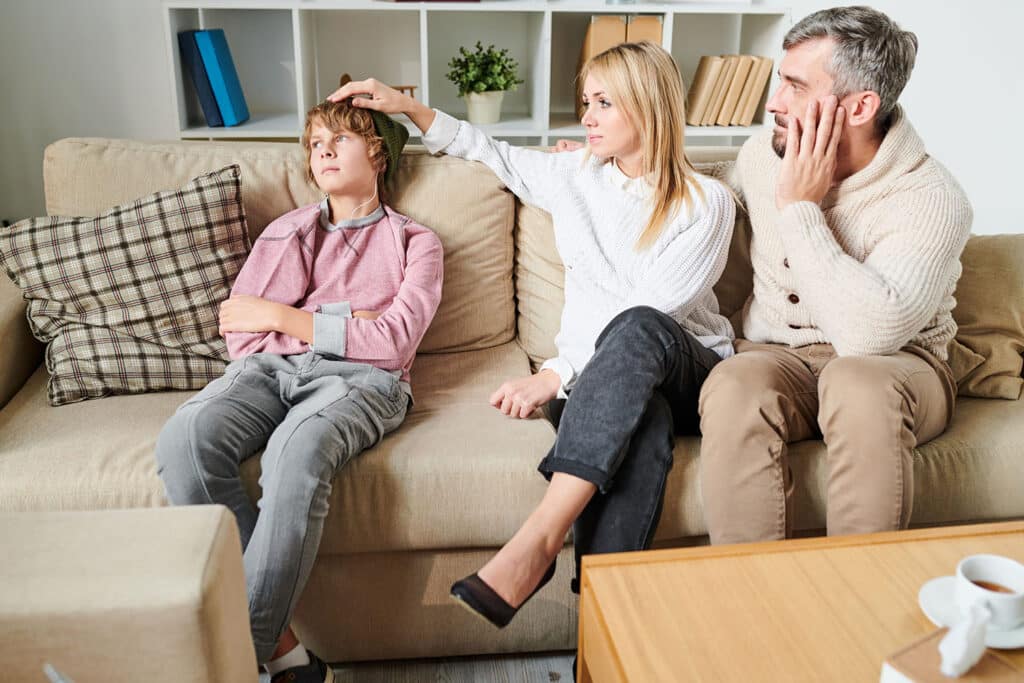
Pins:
<point x="385" y="262"/>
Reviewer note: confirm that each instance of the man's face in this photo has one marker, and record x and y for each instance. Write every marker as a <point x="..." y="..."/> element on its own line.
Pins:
<point x="804" y="78"/>
<point x="340" y="161"/>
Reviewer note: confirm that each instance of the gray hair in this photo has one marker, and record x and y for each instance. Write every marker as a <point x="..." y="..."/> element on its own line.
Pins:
<point x="871" y="52"/>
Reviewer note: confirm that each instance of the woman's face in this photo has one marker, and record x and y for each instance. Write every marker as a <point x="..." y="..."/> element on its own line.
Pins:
<point x="609" y="133"/>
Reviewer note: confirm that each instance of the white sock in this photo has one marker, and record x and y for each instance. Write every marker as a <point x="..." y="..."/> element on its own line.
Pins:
<point x="295" y="657"/>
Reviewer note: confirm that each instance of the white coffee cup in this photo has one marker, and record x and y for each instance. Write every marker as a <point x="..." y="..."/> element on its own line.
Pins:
<point x="1001" y="589"/>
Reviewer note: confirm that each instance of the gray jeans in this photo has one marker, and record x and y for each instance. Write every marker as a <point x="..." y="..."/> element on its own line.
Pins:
<point x="312" y="414"/>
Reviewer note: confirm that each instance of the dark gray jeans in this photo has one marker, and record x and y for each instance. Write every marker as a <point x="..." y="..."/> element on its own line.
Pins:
<point x="617" y="428"/>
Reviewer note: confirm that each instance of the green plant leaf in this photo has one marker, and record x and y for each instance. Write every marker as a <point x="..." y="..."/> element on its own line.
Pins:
<point x="483" y="70"/>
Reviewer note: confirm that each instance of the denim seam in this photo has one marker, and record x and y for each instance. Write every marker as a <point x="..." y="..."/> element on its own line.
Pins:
<point x="648" y="534"/>
<point x="305" y="534"/>
<point x="188" y="431"/>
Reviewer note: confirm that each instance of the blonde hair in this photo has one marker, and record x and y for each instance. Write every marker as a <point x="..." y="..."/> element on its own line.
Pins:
<point x="338" y="116"/>
<point x="644" y="81"/>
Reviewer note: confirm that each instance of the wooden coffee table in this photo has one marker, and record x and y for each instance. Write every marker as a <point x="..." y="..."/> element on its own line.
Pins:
<point x="821" y="609"/>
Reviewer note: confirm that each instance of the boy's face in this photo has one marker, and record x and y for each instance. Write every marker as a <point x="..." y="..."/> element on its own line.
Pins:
<point x="340" y="162"/>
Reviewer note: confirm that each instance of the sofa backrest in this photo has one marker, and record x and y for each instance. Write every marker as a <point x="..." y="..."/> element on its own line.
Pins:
<point x="462" y="202"/>
<point x="495" y="279"/>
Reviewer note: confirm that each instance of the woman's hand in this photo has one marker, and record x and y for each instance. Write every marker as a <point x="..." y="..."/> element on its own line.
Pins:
<point x="249" y="314"/>
<point x="567" y="146"/>
<point x="375" y="95"/>
<point x="520" y="397"/>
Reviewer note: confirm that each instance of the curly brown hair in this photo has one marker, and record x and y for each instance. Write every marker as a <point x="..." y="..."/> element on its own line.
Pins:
<point x="337" y="116"/>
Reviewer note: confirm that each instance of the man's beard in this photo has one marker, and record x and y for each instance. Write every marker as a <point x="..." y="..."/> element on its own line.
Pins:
<point x="779" y="139"/>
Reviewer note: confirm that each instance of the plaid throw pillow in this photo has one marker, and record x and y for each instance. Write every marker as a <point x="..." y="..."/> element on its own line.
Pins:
<point x="128" y="302"/>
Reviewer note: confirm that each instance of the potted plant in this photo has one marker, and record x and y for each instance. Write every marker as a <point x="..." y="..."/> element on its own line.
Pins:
<point x="482" y="77"/>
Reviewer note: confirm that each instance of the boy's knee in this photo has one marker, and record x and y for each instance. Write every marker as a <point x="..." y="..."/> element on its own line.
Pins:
<point x="175" y="459"/>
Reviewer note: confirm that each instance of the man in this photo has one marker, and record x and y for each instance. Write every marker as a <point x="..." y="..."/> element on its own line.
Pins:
<point x="856" y="239"/>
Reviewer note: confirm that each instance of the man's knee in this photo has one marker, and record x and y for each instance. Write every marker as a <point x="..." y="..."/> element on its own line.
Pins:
<point x="866" y="383"/>
<point x="738" y="385"/>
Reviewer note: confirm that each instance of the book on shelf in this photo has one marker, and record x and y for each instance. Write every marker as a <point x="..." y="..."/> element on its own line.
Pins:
<point x="704" y="79"/>
<point x="192" y="62"/>
<point x="750" y="101"/>
<point x="735" y="89"/>
<point x="644" y="27"/>
<point x="727" y="90"/>
<point x="220" y="68"/>
<point x="603" y="31"/>
<point x="721" y="87"/>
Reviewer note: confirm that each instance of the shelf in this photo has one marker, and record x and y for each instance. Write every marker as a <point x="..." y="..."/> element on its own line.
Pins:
<point x="258" y="126"/>
<point x="564" y="124"/>
<point x="289" y="54"/>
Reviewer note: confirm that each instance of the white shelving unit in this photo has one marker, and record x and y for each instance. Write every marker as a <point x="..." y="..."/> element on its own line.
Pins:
<point x="290" y="53"/>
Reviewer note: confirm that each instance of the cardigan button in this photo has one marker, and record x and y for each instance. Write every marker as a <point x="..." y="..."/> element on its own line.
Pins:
<point x="796" y="327"/>
<point x="785" y="262"/>
<point x="794" y="299"/>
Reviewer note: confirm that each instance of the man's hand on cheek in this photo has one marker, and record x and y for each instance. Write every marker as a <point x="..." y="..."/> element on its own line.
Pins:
<point x="809" y="165"/>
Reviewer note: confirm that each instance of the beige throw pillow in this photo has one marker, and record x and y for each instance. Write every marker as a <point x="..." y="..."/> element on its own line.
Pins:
<point x="986" y="354"/>
<point x="127" y="302"/>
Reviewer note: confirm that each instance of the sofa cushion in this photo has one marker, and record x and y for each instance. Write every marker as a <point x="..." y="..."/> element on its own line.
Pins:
<point x="974" y="471"/>
<point x="457" y="473"/>
<point x="128" y="301"/>
<point x="19" y="351"/>
<point x="472" y="213"/>
<point x="82" y="585"/>
<point x="462" y="201"/>
<point x="986" y="355"/>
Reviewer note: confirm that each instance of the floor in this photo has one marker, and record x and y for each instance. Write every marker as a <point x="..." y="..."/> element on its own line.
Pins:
<point x="548" y="667"/>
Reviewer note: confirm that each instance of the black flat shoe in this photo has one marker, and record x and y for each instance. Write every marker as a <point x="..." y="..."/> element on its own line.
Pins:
<point x="480" y="599"/>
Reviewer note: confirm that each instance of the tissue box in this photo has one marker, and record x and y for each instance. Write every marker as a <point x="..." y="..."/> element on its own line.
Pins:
<point x="920" y="662"/>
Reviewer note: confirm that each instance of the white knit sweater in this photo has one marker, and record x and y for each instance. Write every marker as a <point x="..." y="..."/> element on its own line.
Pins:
<point x="598" y="215"/>
<point x="870" y="270"/>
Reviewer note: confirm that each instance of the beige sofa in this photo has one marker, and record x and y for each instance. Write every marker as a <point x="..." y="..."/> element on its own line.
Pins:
<point x="438" y="496"/>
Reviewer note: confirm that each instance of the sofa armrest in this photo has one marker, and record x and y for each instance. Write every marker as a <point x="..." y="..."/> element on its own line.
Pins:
<point x="20" y="353"/>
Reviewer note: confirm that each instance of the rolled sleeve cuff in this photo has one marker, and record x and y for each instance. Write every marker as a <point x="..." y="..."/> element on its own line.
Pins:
<point x="441" y="132"/>
<point x="341" y="308"/>
<point x="565" y="372"/>
<point x="329" y="334"/>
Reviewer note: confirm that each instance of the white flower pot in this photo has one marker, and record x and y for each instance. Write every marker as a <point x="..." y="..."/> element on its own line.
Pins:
<point x="484" y="107"/>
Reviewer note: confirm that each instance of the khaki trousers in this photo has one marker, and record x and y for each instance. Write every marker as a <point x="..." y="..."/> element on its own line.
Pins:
<point x="871" y="411"/>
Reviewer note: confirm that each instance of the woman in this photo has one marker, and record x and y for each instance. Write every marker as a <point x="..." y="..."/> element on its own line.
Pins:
<point x="643" y="238"/>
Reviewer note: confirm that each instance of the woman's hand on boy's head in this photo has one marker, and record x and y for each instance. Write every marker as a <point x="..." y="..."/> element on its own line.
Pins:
<point x="372" y="94"/>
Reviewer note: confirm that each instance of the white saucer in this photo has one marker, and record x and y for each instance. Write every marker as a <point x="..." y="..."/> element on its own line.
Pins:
<point x="937" y="600"/>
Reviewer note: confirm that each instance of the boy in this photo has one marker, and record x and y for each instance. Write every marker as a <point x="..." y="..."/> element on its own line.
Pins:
<point x="322" y="327"/>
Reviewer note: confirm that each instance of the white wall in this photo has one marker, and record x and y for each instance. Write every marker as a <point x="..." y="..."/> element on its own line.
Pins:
<point x="97" y="68"/>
